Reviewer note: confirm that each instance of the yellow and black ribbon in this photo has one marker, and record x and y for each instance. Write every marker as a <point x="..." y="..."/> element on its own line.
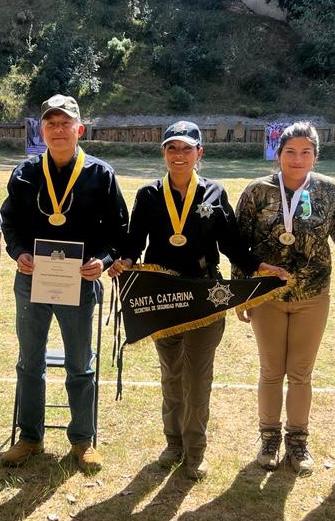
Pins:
<point x="179" y="223"/>
<point x="57" y="206"/>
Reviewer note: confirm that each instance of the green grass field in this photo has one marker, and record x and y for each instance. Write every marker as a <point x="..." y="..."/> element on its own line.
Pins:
<point x="131" y="486"/>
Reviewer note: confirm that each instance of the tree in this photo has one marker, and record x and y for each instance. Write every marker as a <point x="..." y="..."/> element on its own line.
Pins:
<point x="65" y="63"/>
<point x="314" y="23"/>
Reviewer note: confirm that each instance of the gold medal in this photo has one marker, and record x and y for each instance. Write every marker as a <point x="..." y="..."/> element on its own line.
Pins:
<point x="287" y="238"/>
<point x="57" y="219"/>
<point x="177" y="239"/>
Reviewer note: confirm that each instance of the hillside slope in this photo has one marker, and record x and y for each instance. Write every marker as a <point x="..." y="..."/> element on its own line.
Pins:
<point x="153" y="57"/>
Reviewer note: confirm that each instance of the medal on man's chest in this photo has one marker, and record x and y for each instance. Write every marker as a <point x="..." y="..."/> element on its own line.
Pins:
<point x="57" y="218"/>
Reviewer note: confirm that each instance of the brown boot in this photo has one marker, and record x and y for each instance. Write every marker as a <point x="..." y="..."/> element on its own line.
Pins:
<point x="268" y="456"/>
<point x="21" y="452"/>
<point x="89" y="460"/>
<point x="297" y="454"/>
<point x="171" y="455"/>
<point x="196" y="469"/>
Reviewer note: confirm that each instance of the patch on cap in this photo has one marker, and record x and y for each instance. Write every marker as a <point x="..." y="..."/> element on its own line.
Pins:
<point x="186" y="131"/>
<point x="65" y="104"/>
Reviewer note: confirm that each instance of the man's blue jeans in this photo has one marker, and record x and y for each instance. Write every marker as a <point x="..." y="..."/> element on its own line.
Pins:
<point x="32" y="327"/>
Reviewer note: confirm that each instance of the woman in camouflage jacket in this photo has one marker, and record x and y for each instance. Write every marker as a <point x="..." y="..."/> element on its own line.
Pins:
<point x="286" y="219"/>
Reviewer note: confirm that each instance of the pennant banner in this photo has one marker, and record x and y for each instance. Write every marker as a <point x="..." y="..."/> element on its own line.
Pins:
<point x="157" y="304"/>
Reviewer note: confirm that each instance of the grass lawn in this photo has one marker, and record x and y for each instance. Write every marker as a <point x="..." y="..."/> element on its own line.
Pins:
<point x="131" y="486"/>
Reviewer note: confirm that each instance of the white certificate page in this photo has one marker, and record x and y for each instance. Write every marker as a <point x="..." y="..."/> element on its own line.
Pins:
<point x="56" y="276"/>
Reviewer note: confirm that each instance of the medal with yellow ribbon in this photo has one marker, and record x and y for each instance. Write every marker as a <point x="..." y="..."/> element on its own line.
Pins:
<point x="58" y="218"/>
<point x="178" y="239"/>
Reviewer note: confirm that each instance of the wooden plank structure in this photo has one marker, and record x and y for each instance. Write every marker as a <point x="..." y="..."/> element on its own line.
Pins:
<point x="12" y="130"/>
<point x="153" y="134"/>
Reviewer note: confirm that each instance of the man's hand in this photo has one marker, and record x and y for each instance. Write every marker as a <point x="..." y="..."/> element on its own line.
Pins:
<point x="119" y="266"/>
<point x="25" y="263"/>
<point x="92" y="269"/>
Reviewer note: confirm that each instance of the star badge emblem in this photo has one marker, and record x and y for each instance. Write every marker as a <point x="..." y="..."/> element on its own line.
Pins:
<point x="180" y="127"/>
<point x="205" y="210"/>
<point x="220" y="294"/>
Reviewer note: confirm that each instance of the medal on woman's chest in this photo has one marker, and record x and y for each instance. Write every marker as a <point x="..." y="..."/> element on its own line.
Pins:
<point x="178" y="238"/>
<point x="57" y="218"/>
<point x="287" y="238"/>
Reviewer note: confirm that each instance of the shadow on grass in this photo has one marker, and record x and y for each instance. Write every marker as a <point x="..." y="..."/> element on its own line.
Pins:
<point x="254" y="495"/>
<point x="162" y="507"/>
<point x="33" y="484"/>
<point x="324" y="512"/>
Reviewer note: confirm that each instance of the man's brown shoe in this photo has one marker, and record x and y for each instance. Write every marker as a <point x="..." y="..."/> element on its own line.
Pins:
<point x="89" y="460"/>
<point x="21" y="452"/>
<point x="171" y="455"/>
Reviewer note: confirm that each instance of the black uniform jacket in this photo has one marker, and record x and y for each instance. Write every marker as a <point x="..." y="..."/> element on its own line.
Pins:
<point x="95" y="210"/>
<point x="210" y="227"/>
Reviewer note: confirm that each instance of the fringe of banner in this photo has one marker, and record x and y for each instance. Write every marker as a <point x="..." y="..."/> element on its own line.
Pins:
<point x="186" y="326"/>
<point x="153" y="267"/>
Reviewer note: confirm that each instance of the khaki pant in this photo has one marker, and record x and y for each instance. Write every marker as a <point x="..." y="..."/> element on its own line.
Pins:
<point x="288" y="335"/>
<point x="186" y="374"/>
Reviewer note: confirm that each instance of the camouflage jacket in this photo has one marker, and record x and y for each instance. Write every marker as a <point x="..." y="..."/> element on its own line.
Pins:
<point x="260" y="218"/>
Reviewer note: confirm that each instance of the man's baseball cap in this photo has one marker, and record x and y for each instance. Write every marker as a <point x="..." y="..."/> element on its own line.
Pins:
<point x="183" y="131"/>
<point x="61" y="103"/>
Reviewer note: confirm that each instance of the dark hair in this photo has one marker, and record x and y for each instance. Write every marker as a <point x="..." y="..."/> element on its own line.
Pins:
<point x="299" y="129"/>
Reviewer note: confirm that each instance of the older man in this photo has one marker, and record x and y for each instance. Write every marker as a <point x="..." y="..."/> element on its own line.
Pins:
<point x="64" y="195"/>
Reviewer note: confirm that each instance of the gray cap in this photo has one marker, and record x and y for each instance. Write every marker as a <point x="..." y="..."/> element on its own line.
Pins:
<point x="65" y="104"/>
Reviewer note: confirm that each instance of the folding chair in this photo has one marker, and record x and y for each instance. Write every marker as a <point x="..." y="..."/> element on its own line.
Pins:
<point x="56" y="358"/>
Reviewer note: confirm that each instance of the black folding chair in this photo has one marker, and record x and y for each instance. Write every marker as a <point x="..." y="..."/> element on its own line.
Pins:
<point x="56" y="358"/>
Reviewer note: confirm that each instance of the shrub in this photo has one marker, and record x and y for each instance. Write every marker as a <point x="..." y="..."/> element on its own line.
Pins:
<point x="108" y="148"/>
<point x="118" y="52"/>
<point x="251" y="111"/>
<point x="13" y="144"/>
<point x="263" y="83"/>
<point x="327" y="151"/>
<point x="234" y="150"/>
<point x="180" y="99"/>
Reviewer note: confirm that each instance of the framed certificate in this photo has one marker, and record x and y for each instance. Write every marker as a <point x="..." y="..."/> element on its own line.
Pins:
<point x="56" y="276"/>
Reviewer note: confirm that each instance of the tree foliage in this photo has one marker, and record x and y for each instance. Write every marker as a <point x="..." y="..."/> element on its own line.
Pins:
<point x="118" y="51"/>
<point x="64" y="63"/>
<point x="184" y="50"/>
<point x="314" y="23"/>
<point x="189" y="46"/>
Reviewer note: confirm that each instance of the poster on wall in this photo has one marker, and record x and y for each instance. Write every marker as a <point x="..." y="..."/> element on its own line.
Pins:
<point x="272" y="134"/>
<point x="34" y="142"/>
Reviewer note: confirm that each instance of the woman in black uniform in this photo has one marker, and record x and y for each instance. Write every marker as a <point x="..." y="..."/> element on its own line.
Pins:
<point x="188" y="221"/>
